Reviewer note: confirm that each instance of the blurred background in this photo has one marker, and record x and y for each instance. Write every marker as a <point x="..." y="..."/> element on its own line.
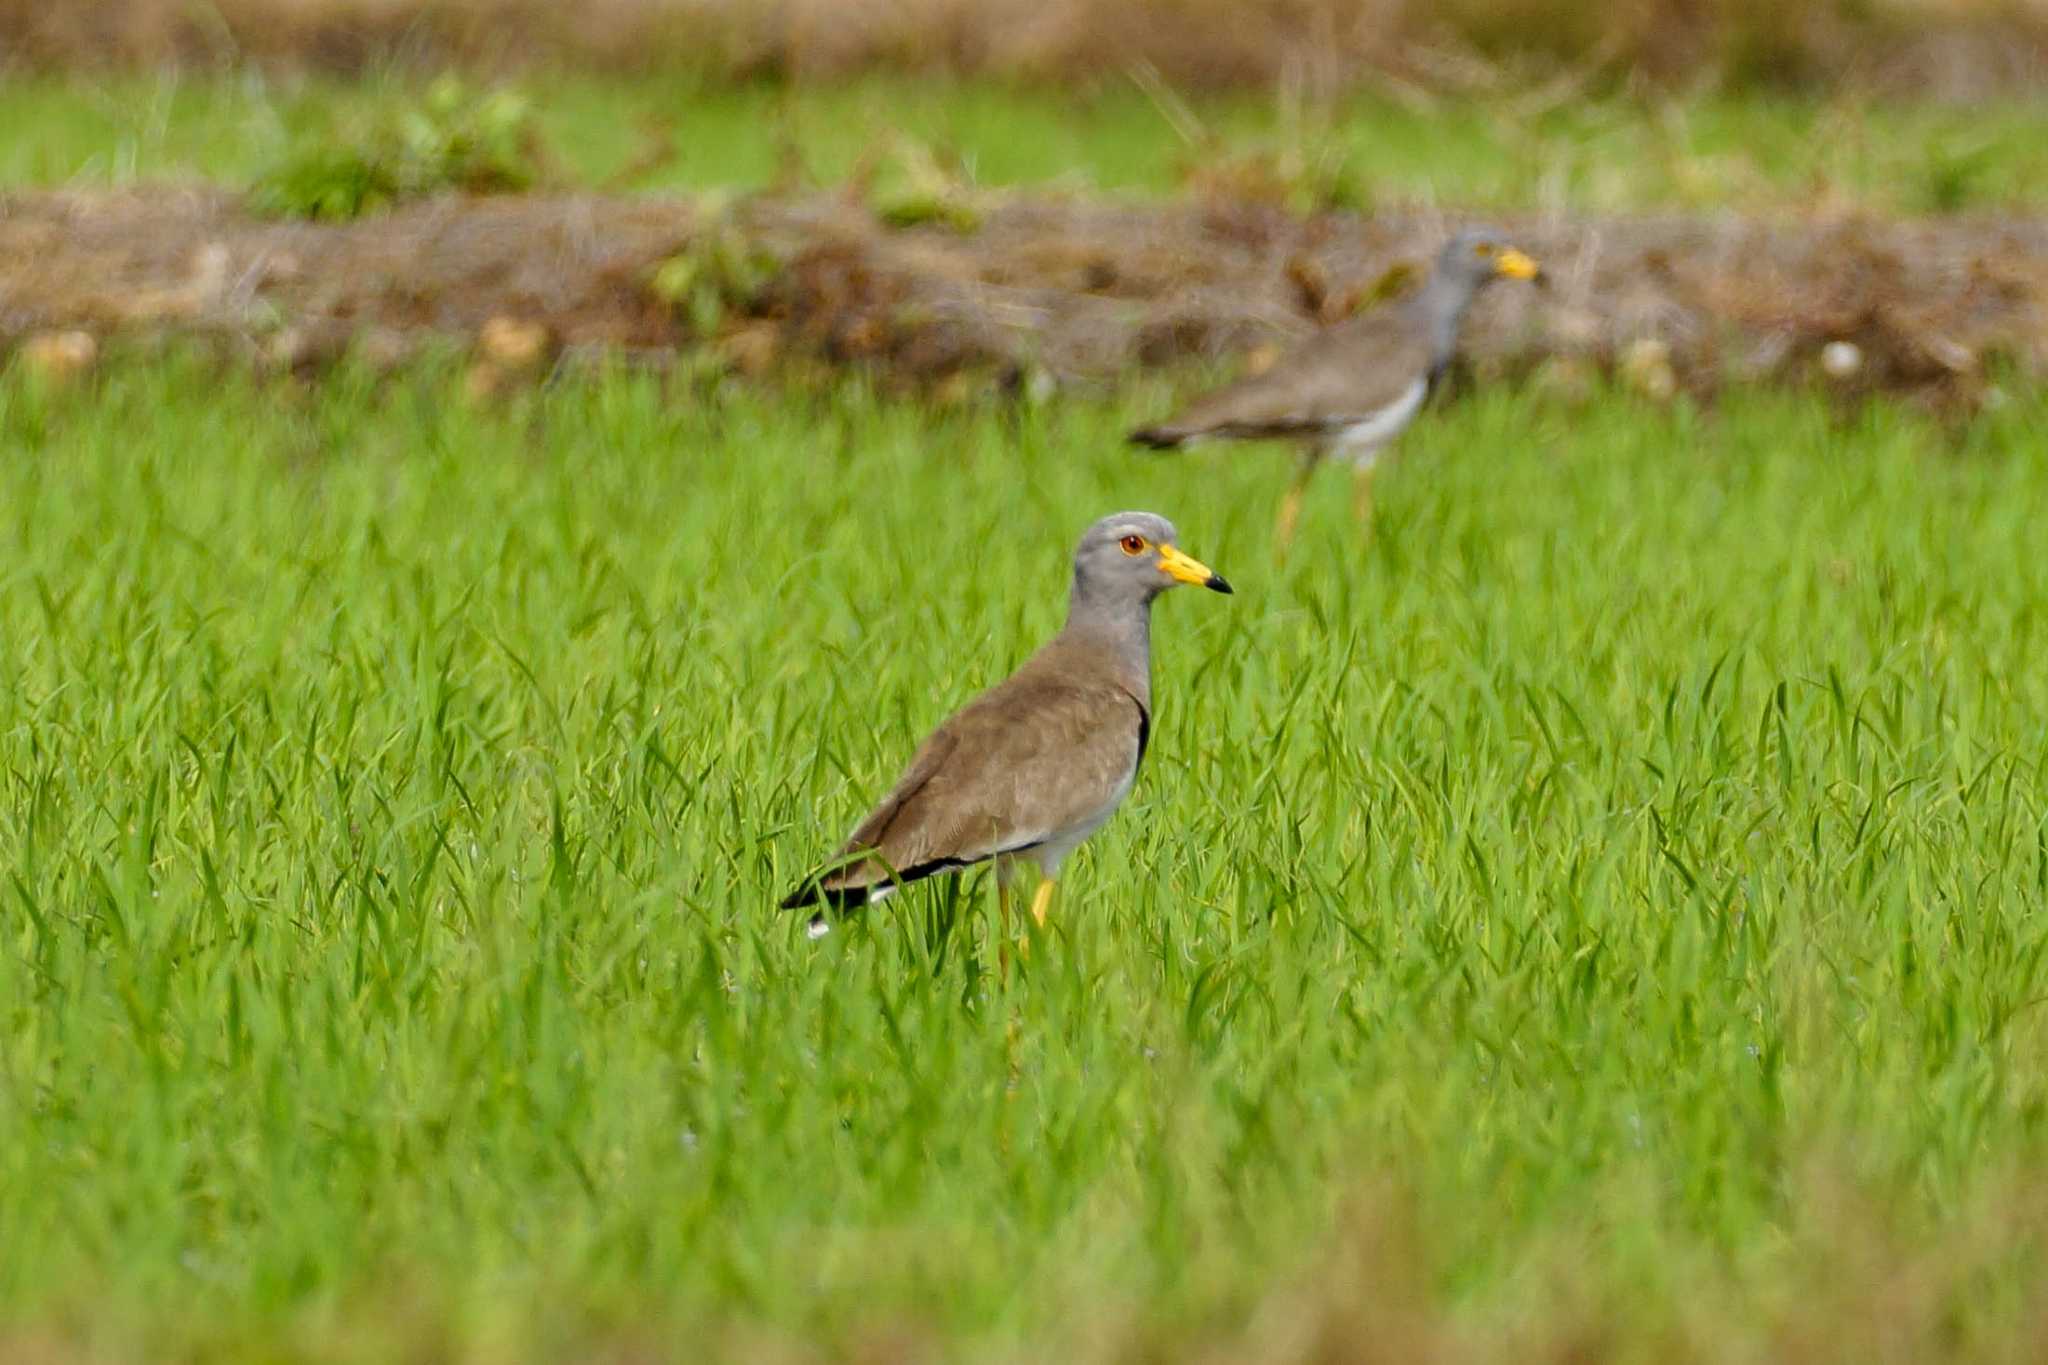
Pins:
<point x="490" y="489"/>
<point x="984" y="196"/>
<point x="1944" y="49"/>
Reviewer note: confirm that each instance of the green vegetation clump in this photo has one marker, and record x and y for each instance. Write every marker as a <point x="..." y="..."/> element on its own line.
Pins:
<point x="452" y="139"/>
<point x="913" y="185"/>
<point x="1304" y="176"/>
<point x="724" y="272"/>
<point x="1603" y="905"/>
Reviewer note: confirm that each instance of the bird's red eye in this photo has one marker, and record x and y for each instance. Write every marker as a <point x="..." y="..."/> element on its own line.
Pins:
<point x="1133" y="545"/>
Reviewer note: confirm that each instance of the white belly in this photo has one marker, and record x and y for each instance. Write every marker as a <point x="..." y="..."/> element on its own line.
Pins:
<point x="1360" y="442"/>
<point x="1054" y="848"/>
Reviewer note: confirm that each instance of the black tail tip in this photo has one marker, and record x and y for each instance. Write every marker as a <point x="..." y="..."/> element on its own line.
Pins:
<point x="839" y="898"/>
<point x="818" y="924"/>
<point x="1155" y="438"/>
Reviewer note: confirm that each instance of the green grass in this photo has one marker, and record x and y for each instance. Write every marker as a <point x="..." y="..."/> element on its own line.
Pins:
<point x="1603" y="154"/>
<point x="1642" y="832"/>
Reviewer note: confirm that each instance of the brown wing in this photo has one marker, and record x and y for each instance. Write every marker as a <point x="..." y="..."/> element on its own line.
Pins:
<point x="1338" y="376"/>
<point x="1028" y="759"/>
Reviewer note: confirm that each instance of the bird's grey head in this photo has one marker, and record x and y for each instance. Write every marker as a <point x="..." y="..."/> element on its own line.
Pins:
<point x="1478" y="256"/>
<point x="1133" y="557"/>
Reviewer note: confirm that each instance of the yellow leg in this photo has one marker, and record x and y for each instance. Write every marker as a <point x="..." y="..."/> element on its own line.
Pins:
<point x="1003" y="925"/>
<point x="1361" y="493"/>
<point x="1290" y="505"/>
<point x="1041" y="901"/>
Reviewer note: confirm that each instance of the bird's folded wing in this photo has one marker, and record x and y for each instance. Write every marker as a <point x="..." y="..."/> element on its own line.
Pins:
<point x="1337" y="377"/>
<point x="1025" y="761"/>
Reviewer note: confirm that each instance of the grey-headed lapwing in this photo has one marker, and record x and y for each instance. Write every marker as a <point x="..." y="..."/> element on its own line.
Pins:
<point x="1350" y="390"/>
<point x="1034" y="765"/>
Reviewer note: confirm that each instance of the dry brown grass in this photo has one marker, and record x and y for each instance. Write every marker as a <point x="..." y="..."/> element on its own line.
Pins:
<point x="1045" y="291"/>
<point x="1954" y="48"/>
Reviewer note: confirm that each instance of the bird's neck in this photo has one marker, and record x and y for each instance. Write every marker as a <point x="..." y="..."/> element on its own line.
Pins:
<point x="1121" y="640"/>
<point x="1442" y="304"/>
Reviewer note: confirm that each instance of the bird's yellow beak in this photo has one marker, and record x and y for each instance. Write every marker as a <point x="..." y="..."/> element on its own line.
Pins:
<point x="1187" y="569"/>
<point x="1516" y="265"/>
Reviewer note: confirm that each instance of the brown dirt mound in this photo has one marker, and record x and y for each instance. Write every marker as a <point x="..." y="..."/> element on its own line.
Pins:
<point x="1046" y="291"/>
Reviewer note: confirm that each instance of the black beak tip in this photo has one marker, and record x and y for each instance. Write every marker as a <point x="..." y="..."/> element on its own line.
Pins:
<point x="1216" y="582"/>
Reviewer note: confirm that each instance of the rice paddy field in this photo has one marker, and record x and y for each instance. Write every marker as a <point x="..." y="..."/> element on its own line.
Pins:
<point x="1605" y="900"/>
<point x="1594" y="915"/>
